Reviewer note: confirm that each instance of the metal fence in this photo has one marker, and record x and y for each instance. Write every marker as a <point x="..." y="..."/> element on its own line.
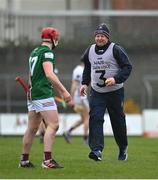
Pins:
<point x="136" y="31"/>
<point x="13" y="98"/>
<point x="24" y="27"/>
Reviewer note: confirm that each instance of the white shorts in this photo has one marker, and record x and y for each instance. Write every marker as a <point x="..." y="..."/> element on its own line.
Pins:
<point x="81" y="102"/>
<point x="82" y="106"/>
<point x="79" y="99"/>
<point x="41" y="105"/>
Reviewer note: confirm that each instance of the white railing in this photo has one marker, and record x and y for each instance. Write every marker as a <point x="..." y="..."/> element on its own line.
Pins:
<point x="98" y="13"/>
<point x="148" y="95"/>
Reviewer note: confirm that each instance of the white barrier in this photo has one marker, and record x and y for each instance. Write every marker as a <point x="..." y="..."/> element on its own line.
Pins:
<point x="150" y="119"/>
<point x="15" y="124"/>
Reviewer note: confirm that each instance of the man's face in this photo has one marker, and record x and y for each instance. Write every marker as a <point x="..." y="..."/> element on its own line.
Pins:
<point x="101" y="39"/>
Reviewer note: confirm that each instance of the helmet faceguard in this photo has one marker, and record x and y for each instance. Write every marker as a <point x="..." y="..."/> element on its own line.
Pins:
<point x="52" y="34"/>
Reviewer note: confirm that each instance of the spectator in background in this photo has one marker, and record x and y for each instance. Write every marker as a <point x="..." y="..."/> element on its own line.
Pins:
<point x="107" y="67"/>
<point x="81" y="105"/>
<point x="41" y="104"/>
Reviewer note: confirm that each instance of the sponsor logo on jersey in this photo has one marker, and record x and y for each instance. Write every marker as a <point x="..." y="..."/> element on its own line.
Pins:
<point x="49" y="55"/>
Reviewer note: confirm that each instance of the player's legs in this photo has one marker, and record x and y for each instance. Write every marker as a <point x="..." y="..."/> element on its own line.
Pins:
<point x="34" y="120"/>
<point x="67" y="134"/>
<point x="51" y="119"/>
<point x="48" y="110"/>
<point x="41" y="130"/>
<point x="33" y="125"/>
<point x="75" y="125"/>
<point x="82" y="110"/>
<point x="85" y="119"/>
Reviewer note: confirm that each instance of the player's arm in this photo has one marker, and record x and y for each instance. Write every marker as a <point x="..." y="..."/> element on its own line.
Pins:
<point x="74" y="86"/>
<point x="51" y="76"/>
<point x="76" y="78"/>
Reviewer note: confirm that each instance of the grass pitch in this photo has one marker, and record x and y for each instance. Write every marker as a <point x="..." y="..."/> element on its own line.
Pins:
<point x="142" y="160"/>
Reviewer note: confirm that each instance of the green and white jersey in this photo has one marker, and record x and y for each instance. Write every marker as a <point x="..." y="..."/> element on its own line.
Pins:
<point x="40" y="88"/>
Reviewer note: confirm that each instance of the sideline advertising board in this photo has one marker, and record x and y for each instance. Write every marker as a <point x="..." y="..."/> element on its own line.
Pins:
<point x="150" y="120"/>
<point x="16" y="124"/>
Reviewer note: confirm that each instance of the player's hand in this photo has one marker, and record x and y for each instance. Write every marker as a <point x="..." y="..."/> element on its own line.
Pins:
<point x="83" y="90"/>
<point x="70" y="103"/>
<point x="110" y="81"/>
<point x="67" y="97"/>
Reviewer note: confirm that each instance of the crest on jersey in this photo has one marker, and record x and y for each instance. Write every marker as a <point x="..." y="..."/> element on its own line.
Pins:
<point x="49" y="55"/>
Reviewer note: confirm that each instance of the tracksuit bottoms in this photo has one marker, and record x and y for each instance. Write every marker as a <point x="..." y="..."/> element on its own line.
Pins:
<point x="113" y="103"/>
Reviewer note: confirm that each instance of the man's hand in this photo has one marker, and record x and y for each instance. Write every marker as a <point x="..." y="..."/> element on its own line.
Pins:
<point x="110" y="81"/>
<point x="83" y="90"/>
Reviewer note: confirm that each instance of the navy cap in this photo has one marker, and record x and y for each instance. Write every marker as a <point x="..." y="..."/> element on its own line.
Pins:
<point x="102" y="29"/>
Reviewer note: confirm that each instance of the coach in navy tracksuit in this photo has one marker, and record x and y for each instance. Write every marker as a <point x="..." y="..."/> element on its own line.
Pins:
<point x="107" y="67"/>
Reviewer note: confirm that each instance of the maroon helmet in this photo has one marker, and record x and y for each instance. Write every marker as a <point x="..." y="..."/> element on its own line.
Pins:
<point x="50" y="33"/>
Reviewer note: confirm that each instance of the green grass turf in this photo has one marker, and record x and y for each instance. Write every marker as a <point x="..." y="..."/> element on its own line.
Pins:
<point x="142" y="161"/>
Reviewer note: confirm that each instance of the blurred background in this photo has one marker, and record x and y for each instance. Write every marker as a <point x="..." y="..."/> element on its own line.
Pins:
<point x="133" y="25"/>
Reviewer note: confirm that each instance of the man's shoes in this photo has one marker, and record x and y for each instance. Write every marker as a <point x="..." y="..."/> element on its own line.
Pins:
<point x="26" y="164"/>
<point x="95" y="155"/>
<point x="67" y="137"/>
<point x="51" y="164"/>
<point x="123" y="154"/>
